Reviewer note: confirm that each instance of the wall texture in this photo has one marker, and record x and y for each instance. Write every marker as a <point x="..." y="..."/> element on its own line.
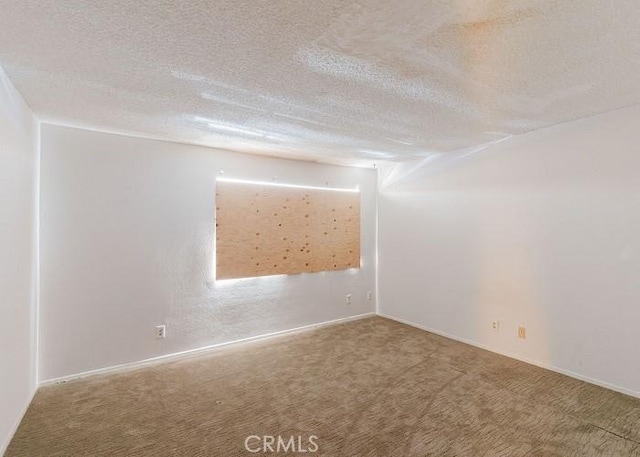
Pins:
<point x="18" y="171"/>
<point x="127" y="231"/>
<point x="542" y="230"/>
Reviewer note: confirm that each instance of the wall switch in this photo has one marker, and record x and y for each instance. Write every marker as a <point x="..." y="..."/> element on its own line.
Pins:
<point x="495" y="325"/>
<point x="522" y="332"/>
<point x="369" y="295"/>
<point x="161" y="331"/>
<point x="347" y="299"/>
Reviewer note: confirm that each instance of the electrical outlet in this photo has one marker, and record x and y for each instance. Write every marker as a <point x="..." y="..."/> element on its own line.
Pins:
<point x="522" y="332"/>
<point x="347" y="299"/>
<point x="369" y="295"/>
<point x="495" y="325"/>
<point x="161" y="331"/>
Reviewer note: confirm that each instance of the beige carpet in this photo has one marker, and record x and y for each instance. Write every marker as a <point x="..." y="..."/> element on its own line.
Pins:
<point x="371" y="387"/>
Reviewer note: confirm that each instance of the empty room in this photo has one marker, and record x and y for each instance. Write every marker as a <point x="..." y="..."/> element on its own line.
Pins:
<point x="333" y="228"/>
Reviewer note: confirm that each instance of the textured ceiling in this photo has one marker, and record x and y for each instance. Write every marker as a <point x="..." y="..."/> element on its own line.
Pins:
<point x="333" y="80"/>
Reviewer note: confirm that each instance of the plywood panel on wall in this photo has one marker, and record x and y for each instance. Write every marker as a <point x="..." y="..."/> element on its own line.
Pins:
<point x="264" y="229"/>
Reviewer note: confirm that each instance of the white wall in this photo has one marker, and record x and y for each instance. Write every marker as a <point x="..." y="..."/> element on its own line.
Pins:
<point x="18" y="171"/>
<point x="127" y="244"/>
<point x="541" y="230"/>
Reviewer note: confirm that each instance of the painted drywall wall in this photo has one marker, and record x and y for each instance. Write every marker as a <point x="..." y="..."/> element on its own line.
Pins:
<point x="542" y="230"/>
<point x="127" y="243"/>
<point x="18" y="174"/>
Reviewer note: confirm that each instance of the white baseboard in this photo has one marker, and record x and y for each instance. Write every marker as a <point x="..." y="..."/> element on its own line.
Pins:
<point x="198" y="351"/>
<point x="14" y="429"/>
<point x="544" y="365"/>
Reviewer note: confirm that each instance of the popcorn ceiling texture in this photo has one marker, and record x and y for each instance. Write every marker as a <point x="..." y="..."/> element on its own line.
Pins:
<point x="333" y="81"/>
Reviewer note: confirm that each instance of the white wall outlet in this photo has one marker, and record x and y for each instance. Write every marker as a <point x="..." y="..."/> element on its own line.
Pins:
<point x="495" y="326"/>
<point x="161" y="331"/>
<point x="369" y="295"/>
<point x="347" y="299"/>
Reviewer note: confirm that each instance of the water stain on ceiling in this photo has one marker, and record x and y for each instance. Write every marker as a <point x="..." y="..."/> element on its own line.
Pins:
<point x="336" y="81"/>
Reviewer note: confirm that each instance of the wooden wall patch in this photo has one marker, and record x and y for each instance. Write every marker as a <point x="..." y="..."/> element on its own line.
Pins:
<point x="264" y="229"/>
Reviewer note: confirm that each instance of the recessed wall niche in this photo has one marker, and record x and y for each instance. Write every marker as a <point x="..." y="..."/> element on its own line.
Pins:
<point x="268" y="229"/>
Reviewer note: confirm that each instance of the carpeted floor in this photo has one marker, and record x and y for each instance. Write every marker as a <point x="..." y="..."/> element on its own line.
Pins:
<point x="371" y="387"/>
